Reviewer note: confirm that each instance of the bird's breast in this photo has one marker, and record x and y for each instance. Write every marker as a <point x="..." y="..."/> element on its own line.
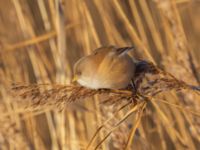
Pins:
<point x="91" y="82"/>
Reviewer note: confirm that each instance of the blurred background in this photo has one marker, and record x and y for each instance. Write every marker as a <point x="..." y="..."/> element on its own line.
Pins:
<point x="40" y="40"/>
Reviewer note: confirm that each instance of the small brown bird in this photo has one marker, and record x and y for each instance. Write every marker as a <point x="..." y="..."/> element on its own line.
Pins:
<point x="107" y="67"/>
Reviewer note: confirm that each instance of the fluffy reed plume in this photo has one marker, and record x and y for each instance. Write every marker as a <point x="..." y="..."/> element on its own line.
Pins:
<point x="149" y="81"/>
<point x="34" y="96"/>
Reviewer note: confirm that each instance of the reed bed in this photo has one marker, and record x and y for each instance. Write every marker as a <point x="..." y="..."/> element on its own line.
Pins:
<point x="40" y="108"/>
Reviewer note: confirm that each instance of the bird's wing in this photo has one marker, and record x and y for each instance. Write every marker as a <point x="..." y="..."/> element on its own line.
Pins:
<point x="107" y="49"/>
<point x="103" y="49"/>
<point x="123" y="50"/>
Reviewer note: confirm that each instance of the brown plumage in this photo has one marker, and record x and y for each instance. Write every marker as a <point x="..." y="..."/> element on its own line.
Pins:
<point x="107" y="67"/>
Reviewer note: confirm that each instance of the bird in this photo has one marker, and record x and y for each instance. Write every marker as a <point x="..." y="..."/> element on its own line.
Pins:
<point x="107" y="67"/>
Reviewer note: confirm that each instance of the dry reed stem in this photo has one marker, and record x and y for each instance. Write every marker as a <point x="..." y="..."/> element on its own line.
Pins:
<point x="149" y="81"/>
<point x="130" y="112"/>
<point x="105" y="23"/>
<point x="182" y="61"/>
<point x="136" y="124"/>
<point x="35" y="40"/>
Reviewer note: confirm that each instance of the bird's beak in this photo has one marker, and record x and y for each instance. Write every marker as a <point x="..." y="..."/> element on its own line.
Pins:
<point x="75" y="78"/>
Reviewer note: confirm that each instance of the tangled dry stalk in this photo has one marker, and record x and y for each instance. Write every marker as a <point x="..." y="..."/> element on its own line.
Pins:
<point x="149" y="81"/>
<point x="34" y="49"/>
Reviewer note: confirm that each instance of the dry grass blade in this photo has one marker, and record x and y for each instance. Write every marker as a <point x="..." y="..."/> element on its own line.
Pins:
<point x="39" y="43"/>
<point x="173" y="133"/>
<point x="136" y="124"/>
<point x="180" y="107"/>
<point x="38" y="39"/>
<point x="104" y="124"/>
<point x="130" y="112"/>
<point x="56" y="96"/>
<point x="150" y="81"/>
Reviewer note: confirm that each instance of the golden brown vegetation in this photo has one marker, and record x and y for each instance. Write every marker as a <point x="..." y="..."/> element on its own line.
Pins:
<point x="50" y="113"/>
